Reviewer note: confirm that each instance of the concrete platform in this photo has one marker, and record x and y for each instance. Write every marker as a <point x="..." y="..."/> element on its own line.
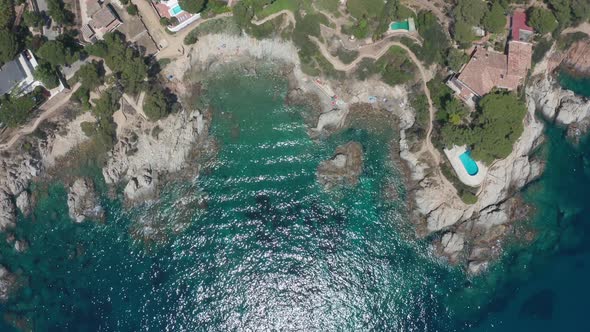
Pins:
<point x="470" y="180"/>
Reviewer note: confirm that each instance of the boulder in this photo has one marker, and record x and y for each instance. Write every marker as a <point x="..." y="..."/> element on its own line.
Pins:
<point x="7" y="212"/>
<point x="23" y="202"/>
<point x="344" y="168"/>
<point x="21" y="245"/>
<point x="83" y="202"/>
<point x="142" y="186"/>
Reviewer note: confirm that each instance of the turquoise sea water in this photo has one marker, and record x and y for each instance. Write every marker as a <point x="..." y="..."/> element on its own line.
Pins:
<point x="271" y="250"/>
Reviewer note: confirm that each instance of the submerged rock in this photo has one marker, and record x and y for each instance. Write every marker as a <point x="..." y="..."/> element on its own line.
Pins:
<point x="7" y="212"/>
<point x="83" y="202"/>
<point x="344" y="168"/>
<point x="8" y="283"/>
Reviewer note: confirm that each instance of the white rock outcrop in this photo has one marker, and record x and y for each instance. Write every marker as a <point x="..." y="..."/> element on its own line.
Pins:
<point x="145" y="149"/>
<point x="23" y="202"/>
<point x="556" y="103"/>
<point x="83" y="202"/>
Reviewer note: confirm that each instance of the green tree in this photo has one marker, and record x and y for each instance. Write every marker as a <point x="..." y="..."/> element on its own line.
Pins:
<point x="125" y="62"/>
<point x="470" y="11"/>
<point x="562" y="10"/>
<point x="133" y="74"/>
<point x="33" y="19"/>
<point x="132" y="9"/>
<point x="91" y="75"/>
<point x="155" y="104"/>
<point x="495" y="20"/>
<point x="456" y="59"/>
<point x="498" y="125"/>
<point x="435" y="43"/>
<point x="542" y="20"/>
<point x="463" y="33"/>
<point x="192" y="6"/>
<point x="47" y="75"/>
<point x="58" y="12"/>
<point x="580" y="10"/>
<point x="56" y="53"/>
<point x="8" y="46"/>
<point x="6" y="13"/>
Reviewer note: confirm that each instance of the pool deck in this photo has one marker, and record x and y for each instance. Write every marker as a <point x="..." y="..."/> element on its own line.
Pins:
<point x="472" y="181"/>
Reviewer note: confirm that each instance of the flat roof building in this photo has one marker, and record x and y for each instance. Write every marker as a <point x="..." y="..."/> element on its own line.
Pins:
<point x="18" y="73"/>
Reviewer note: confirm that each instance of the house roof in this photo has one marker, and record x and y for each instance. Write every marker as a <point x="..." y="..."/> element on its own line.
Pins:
<point x="484" y="71"/>
<point x="518" y="24"/>
<point x="11" y="74"/>
<point x="519" y="57"/>
<point x="103" y="18"/>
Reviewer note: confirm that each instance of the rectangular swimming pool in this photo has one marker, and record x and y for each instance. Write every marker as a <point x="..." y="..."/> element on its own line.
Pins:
<point x="175" y="10"/>
<point x="403" y="25"/>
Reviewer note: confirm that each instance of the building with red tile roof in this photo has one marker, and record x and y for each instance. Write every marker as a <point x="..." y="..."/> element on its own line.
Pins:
<point x="520" y="31"/>
<point x="488" y="69"/>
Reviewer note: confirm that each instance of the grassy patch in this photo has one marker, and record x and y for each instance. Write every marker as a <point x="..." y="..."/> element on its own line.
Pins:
<point x="277" y="6"/>
<point x="346" y="56"/>
<point x="365" y="8"/>
<point x="394" y="67"/>
<point x="330" y="6"/>
<point x="565" y="41"/>
<point x="221" y="25"/>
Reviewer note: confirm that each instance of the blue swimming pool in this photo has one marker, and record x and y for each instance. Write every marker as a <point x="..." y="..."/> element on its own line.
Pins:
<point x="175" y="10"/>
<point x="469" y="163"/>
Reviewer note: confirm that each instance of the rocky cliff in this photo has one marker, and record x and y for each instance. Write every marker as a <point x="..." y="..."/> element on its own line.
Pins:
<point x="561" y="106"/>
<point x="145" y="149"/>
<point x="473" y="234"/>
<point x="577" y="58"/>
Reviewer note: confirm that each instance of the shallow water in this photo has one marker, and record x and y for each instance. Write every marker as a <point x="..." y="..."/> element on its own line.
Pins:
<point x="272" y="250"/>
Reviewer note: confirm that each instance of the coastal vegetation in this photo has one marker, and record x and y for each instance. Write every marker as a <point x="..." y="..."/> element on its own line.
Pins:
<point x="126" y="63"/>
<point x="225" y="25"/>
<point x="46" y="73"/>
<point x="490" y="131"/>
<point x="9" y="46"/>
<point x="16" y="110"/>
<point x="104" y="129"/>
<point x="59" y="13"/>
<point x="393" y="68"/>
<point x="542" y="20"/>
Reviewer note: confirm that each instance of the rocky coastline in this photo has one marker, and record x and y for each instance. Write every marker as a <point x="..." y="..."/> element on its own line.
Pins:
<point x="474" y="235"/>
<point x="147" y="152"/>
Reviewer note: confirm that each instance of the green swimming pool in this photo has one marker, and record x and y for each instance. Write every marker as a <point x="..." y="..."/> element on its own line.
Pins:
<point x="174" y="11"/>
<point x="469" y="163"/>
<point x="400" y="25"/>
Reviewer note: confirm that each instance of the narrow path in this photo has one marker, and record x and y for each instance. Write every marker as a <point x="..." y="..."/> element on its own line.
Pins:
<point x="373" y="52"/>
<point x="52" y="110"/>
<point x="289" y="14"/>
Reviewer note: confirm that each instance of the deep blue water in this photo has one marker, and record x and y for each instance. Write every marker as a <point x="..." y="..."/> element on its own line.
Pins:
<point x="271" y="249"/>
